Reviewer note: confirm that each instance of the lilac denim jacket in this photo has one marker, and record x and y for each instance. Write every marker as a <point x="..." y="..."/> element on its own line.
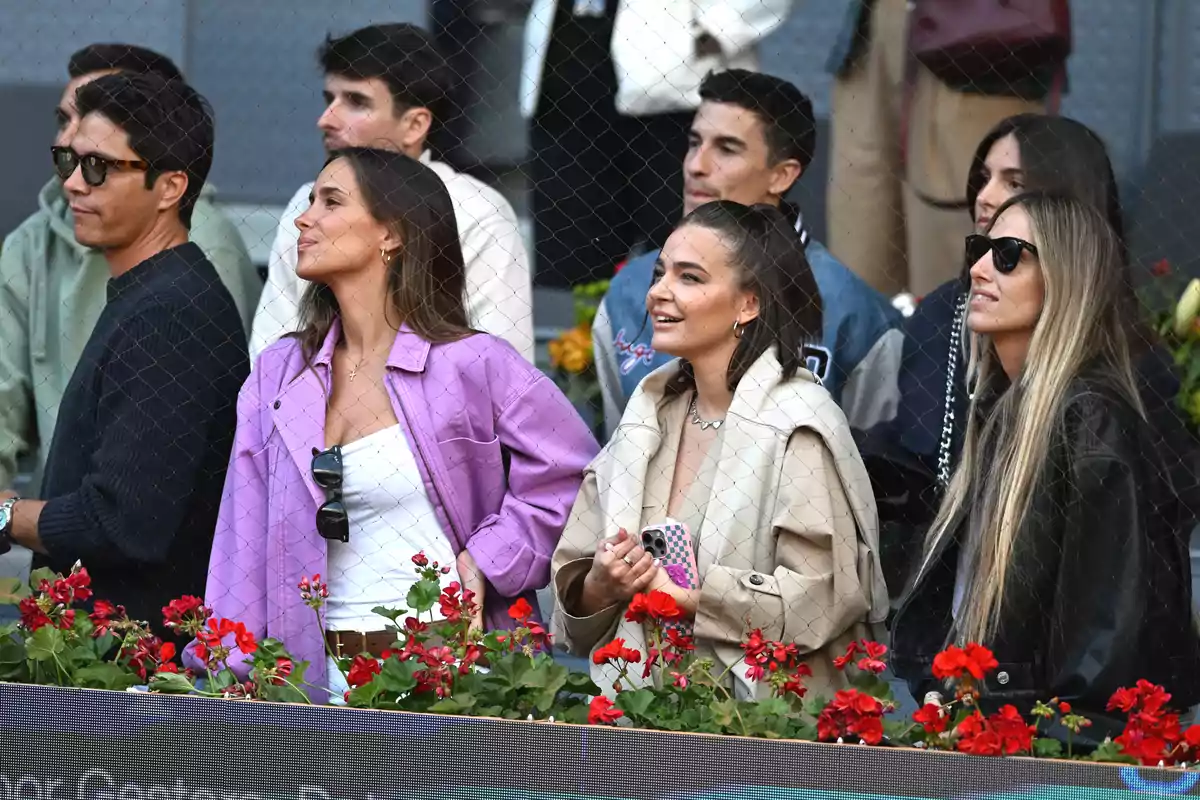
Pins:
<point x="462" y="405"/>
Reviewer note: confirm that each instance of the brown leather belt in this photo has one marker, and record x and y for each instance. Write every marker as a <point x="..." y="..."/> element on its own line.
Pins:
<point x="353" y="643"/>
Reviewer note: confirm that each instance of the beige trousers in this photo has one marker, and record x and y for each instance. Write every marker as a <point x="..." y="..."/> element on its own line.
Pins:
<point x="878" y="224"/>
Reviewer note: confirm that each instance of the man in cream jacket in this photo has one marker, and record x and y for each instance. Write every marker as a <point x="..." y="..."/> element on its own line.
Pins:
<point x="382" y="86"/>
<point x="610" y="88"/>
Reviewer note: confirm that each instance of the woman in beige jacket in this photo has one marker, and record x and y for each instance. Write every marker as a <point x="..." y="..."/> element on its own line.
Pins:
<point x="739" y="442"/>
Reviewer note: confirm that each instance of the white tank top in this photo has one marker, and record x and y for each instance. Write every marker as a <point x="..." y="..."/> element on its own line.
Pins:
<point x="391" y="520"/>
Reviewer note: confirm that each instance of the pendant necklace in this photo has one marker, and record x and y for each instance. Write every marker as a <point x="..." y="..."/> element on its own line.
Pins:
<point x="694" y="412"/>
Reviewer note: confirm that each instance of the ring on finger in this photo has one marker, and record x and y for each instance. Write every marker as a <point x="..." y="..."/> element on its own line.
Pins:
<point x="627" y="559"/>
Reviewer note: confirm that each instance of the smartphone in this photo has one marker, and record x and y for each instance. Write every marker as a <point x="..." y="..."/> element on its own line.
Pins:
<point x="671" y="543"/>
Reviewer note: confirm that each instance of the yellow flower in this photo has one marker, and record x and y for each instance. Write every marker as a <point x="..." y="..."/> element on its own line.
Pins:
<point x="1187" y="308"/>
<point x="1193" y="406"/>
<point x="573" y="350"/>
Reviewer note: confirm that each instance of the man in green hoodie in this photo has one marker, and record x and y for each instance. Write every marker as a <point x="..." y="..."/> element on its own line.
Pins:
<point x="52" y="289"/>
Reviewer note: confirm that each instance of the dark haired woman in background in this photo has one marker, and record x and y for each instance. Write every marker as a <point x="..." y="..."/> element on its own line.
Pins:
<point x="912" y="457"/>
<point x="738" y="443"/>
<point x="385" y="427"/>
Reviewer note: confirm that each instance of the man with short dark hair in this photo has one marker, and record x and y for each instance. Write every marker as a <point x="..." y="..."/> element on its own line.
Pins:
<point x="750" y="141"/>
<point x="52" y="287"/>
<point x="385" y="86"/>
<point x="135" y="472"/>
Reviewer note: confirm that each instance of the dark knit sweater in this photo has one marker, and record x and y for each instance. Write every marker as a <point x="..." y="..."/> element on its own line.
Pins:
<point x="136" y="468"/>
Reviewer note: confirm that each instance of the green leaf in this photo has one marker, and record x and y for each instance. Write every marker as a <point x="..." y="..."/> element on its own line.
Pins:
<point x="12" y="652"/>
<point x="1047" y="748"/>
<point x="396" y="676"/>
<point x="455" y="704"/>
<point x="724" y="712"/>
<point x="364" y="696"/>
<point x="390" y="613"/>
<point x="13" y="591"/>
<point x="575" y="715"/>
<point x="423" y="596"/>
<point x="545" y="674"/>
<point x="223" y="680"/>
<point x="636" y="702"/>
<point x="170" y="683"/>
<point x="508" y="673"/>
<point x="288" y="692"/>
<point x="42" y="574"/>
<point x="872" y="684"/>
<point x="105" y="675"/>
<point x="581" y="683"/>
<point x="46" y="644"/>
<point x="1110" y="752"/>
<point x="814" y="705"/>
<point x="771" y="707"/>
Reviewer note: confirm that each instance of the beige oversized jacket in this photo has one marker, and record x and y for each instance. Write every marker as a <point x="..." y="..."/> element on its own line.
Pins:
<point x="789" y="542"/>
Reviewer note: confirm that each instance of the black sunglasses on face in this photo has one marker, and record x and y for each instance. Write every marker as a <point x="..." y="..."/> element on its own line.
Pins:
<point x="332" y="521"/>
<point x="1006" y="251"/>
<point x="95" y="168"/>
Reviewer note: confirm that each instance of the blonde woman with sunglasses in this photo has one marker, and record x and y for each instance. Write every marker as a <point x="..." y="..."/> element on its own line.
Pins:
<point x="1056" y="542"/>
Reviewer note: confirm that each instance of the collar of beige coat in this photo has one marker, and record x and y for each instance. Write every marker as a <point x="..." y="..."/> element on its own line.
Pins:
<point x="764" y="406"/>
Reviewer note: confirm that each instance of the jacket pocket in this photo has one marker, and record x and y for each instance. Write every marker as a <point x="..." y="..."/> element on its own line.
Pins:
<point x="476" y="473"/>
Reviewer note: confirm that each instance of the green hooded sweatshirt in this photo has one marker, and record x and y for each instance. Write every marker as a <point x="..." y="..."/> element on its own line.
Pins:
<point x="52" y="290"/>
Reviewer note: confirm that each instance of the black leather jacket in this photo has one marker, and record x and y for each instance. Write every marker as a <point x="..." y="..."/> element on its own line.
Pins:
<point x="1100" y="593"/>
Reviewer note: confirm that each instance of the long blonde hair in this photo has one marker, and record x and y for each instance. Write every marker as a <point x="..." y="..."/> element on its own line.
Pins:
<point x="1084" y="320"/>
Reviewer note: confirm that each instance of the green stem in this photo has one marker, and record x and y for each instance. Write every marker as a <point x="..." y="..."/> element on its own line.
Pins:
<point x="325" y="641"/>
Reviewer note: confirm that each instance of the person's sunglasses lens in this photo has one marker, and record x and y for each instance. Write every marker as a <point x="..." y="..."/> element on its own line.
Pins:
<point x="333" y="522"/>
<point x="95" y="170"/>
<point x="977" y="247"/>
<point x="1008" y="254"/>
<point x="327" y="470"/>
<point x="64" y="162"/>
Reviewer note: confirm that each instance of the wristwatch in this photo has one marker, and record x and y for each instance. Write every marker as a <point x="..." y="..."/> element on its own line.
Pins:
<point x="6" y="524"/>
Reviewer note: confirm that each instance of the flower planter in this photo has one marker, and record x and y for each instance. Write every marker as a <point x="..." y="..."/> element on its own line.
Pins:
<point x="75" y="744"/>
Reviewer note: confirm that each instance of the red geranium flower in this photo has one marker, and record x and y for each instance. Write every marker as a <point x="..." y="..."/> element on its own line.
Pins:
<point x="421" y="560"/>
<point x="657" y="606"/>
<point x="362" y="671"/>
<point x="956" y="663"/>
<point x="601" y="711"/>
<point x="851" y="713"/>
<point x="186" y="614"/>
<point x="841" y="662"/>
<point x="103" y="615"/>
<point x="33" y="616"/>
<point x="616" y="651"/>
<point x="932" y="718"/>
<point x="521" y="610"/>
<point x="873" y="660"/>
<point x="1003" y="733"/>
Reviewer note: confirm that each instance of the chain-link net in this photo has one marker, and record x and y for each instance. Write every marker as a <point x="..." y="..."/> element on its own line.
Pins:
<point x="1020" y="407"/>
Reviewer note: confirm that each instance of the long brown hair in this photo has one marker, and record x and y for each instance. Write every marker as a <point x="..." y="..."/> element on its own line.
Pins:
<point x="426" y="278"/>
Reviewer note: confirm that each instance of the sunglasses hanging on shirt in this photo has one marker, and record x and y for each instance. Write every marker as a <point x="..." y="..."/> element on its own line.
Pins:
<point x="332" y="521"/>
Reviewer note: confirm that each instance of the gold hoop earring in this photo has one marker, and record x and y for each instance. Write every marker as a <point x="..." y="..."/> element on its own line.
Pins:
<point x="383" y="253"/>
<point x="738" y="329"/>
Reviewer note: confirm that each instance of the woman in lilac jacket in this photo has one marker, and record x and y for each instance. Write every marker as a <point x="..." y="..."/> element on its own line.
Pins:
<point x="384" y="427"/>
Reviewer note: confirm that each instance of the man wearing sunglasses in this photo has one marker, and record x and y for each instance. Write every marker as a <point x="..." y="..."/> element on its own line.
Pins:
<point x="52" y="287"/>
<point x="135" y="471"/>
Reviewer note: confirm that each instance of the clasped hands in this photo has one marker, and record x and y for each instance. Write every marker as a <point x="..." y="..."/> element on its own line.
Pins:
<point x="621" y="568"/>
